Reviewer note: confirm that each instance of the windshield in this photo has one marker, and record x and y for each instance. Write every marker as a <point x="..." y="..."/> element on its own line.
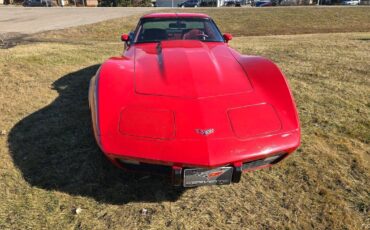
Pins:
<point x="155" y="30"/>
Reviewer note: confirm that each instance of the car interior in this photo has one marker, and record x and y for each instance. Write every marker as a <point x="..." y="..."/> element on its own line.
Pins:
<point x="176" y="30"/>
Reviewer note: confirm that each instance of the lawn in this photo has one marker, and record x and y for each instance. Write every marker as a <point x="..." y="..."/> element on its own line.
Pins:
<point x="51" y="166"/>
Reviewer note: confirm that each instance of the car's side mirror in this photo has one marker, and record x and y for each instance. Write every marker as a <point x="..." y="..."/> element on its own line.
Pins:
<point x="227" y="37"/>
<point x="125" y="37"/>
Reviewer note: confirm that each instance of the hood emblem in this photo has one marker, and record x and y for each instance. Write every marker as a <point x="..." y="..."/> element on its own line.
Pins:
<point x="204" y="132"/>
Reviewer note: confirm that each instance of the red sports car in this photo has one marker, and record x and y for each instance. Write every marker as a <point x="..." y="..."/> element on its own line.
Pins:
<point x="181" y="102"/>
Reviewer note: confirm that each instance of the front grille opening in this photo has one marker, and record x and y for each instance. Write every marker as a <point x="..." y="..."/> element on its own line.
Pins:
<point x="145" y="167"/>
<point x="266" y="161"/>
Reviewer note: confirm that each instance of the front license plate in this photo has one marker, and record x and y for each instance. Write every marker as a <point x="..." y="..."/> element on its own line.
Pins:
<point x="202" y="176"/>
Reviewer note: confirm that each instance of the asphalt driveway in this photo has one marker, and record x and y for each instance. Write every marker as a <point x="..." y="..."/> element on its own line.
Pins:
<point x="20" y="20"/>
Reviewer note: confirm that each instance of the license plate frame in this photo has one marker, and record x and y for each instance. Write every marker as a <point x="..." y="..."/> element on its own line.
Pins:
<point x="194" y="177"/>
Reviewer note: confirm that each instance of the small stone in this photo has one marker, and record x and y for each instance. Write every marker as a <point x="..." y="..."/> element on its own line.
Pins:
<point x="78" y="210"/>
<point x="3" y="132"/>
<point x="144" y="211"/>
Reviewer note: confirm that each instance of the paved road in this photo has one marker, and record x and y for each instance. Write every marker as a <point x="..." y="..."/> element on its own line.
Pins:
<point x="31" y="20"/>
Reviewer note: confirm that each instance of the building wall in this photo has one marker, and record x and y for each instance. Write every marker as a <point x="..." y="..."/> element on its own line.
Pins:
<point x="91" y="2"/>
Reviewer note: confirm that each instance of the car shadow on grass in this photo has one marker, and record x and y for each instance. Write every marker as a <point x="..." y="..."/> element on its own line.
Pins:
<point x="54" y="148"/>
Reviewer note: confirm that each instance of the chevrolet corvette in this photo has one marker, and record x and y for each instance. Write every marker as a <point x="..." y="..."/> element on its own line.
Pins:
<point x="181" y="102"/>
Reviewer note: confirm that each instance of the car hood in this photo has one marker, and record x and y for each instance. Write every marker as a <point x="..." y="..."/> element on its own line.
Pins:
<point x="188" y="69"/>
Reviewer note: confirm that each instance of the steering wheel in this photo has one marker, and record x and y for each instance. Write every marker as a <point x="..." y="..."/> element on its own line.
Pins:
<point x="202" y="35"/>
<point x="195" y="34"/>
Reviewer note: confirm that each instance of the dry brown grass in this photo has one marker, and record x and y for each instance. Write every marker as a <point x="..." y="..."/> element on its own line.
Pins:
<point x="50" y="164"/>
<point x="239" y="22"/>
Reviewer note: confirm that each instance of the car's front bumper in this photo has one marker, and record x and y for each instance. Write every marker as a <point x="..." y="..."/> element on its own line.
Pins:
<point x="177" y="172"/>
